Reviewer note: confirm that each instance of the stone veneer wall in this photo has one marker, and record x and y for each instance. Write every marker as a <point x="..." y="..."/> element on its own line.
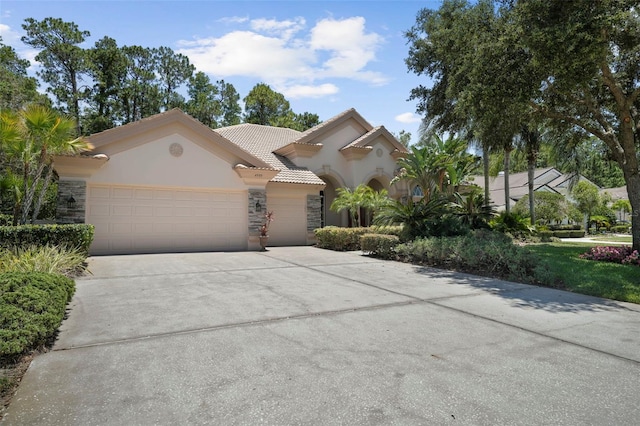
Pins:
<point x="66" y="189"/>
<point x="314" y="213"/>
<point x="256" y="219"/>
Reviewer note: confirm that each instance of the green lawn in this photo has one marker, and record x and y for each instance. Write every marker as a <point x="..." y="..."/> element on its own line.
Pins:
<point x="603" y="279"/>
<point x="612" y="238"/>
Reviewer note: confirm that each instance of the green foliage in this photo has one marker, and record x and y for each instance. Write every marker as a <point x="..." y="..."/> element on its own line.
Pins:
<point x="215" y="105"/>
<point x="32" y="306"/>
<point x="480" y="252"/>
<point x="348" y="239"/>
<point x="362" y="196"/>
<point x="77" y="236"/>
<point x="379" y="244"/>
<point x="5" y="220"/>
<point x="512" y="224"/>
<point x="419" y="218"/>
<point x="472" y="209"/>
<point x="48" y="258"/>
<point x="621" y="229"/>
<point x="16" y="87"/>
<point x="549" y="207"/>
<point x="30" y="138"/>
<point x="63" y="61"/>
<point x="265" y="106"/>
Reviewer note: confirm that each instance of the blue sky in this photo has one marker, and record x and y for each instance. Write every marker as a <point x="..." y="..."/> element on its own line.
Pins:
<point x="324" y="56"/>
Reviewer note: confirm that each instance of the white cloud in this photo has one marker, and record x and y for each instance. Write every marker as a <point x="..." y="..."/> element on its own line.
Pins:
<point x="308" y="91"/>
<point x="283" y="54"/>
<point x="350" y="49"/>
<point x="408" y="118"/>
<point x="234" y="19"/>
<point x="9" y="37"/>
<point x="284" y="29"/>
<point x="246" y="53"/>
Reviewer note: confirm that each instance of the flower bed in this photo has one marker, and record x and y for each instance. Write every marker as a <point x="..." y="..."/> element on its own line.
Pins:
<point x="615" y="254"/>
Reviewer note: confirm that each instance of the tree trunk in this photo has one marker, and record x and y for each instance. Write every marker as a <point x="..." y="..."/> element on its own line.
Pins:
<point x="43" y="193"/>
<point x="531" y="172"/>
<point x="633" y="191"/>
<point x="485" y="166"/>
<point x="507" y="165"/>
<point x="27" y="199"/>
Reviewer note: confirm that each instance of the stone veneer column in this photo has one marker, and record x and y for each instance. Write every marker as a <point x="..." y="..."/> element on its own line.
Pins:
<point x="314" y="213"/>
<point x="256" y="219"/>
<point x="78" y="190"/>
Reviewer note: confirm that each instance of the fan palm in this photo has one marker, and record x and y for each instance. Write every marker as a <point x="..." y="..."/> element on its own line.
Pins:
<point x="32" y="137"/>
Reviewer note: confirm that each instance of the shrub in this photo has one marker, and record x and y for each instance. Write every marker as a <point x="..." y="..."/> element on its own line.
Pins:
<point x="562" y="234"/>
<point x="32" y="306"/>
<point x="565" y="227"/>
<point x="576" y="234"/>
<point x="6" y="220"/>
<point x="48" y="258"/>
<point x="479" y="252"/>
<point x="621" y="229"/>
<point x="615" y="254"/>
<point x="347" y="239"/>
<point x="72" y="236"/>
<point x="512" y="224"/>
<point x="379" y="244"/>
<point x="545" y="236"/>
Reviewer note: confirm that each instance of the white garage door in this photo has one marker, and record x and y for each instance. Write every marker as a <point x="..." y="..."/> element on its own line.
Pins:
<point x="289" y="227"/>
<point x="154" y="220"/>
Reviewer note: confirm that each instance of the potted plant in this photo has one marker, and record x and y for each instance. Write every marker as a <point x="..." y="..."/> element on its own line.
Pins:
<point x="264" y="230"/>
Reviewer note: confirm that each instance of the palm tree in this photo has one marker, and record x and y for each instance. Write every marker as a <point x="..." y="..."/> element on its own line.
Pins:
<point x="32" y="137"/>
<point x="352" y="201"/>
<point x="437" y="167"/>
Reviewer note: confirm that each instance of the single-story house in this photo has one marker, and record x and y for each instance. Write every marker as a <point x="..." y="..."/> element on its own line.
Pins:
<point x="168" y="183"/>
<point x="547" y="179"/>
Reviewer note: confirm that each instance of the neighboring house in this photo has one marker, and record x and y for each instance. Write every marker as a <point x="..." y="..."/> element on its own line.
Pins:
<point x="168" y="183"/>
<point x="548" y="179"/>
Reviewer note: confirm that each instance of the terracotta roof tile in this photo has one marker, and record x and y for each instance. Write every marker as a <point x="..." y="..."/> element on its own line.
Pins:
<point x="262" y="141"/>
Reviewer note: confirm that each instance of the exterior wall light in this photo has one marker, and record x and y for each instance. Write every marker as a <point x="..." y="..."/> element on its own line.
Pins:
<point x="258" y="207"/>
<point x="71" y="202"/>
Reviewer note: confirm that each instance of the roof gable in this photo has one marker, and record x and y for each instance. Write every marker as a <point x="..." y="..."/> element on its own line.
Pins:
<point x="112" y="139"/>
<point x="312" y="134"/>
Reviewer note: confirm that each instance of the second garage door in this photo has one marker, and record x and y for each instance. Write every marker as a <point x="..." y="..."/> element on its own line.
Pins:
<point x="289" y="227"/>
<point x="153" y="220"/>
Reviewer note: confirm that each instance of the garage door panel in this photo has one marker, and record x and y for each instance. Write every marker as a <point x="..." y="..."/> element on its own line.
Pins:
<point x="290" y="220"/>
<point x="125" y="193"/>
<point x="147" y="220"/>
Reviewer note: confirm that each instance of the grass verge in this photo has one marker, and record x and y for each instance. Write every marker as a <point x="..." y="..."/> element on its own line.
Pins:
<point x="602" y="279"/>
<point x="612" y="238"/>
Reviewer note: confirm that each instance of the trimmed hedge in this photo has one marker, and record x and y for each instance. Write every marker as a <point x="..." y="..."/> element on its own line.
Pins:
<point x="621" y="229"/>
<point x="77" y="236"/>
<point x="32" y="306"/>
<point x="379" y="244"/>
<point x="348" y="239"/>
<point x="565" y="227"/>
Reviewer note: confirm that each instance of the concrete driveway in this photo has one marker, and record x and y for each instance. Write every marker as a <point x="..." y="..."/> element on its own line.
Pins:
<point x="300" y="335"/>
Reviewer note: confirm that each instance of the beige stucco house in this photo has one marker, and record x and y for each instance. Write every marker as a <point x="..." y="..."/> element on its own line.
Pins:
<point x="168" y="183"/>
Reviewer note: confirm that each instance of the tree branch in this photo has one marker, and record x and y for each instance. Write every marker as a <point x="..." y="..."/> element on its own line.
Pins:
<point x="610" y="82"/>
<point x="570" y="119"/>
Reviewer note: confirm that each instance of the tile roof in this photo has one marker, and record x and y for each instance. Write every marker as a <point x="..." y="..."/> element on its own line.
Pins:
<point x="262" y="141"/>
